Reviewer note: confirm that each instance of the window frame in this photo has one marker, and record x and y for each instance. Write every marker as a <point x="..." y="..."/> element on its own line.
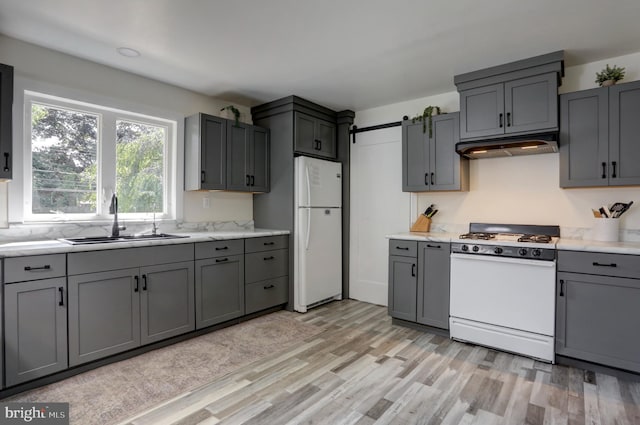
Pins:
<point x="106" y="154"/>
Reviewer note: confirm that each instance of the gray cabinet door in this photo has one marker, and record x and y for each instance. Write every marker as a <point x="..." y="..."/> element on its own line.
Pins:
<point x="402" y="287"/>
<point x="166" y="301"/>
<point x="314" y="136"/>
<point x="213" y="173"/>
<point x="325" y="135"/>
<point x="304" y="136"/>
<point x="584" y="138"/>
<point x="433" y="284"/>
<point x="6" y="104"/>
<point x="597" y="319"/>
<point x="219" y="290"/>
<point x="624" y="131"/>
<point x="415" y="157"/>
<point x="238" y="153"/>
<point x="260" y="160"/>
<point x="531" y="104"/>
<point x="104" y="314"/>
<point x="35" y="329"/>
<point x="482" y="111"/>
<point x="444" y="162"/>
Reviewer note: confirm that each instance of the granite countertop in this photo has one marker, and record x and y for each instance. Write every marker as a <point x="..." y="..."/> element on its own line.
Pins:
<point x="17" y="249"/>
<point x="563" y="243"/>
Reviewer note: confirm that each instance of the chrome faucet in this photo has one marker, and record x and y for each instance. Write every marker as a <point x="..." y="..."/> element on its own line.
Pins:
<point x="113" y="209"/>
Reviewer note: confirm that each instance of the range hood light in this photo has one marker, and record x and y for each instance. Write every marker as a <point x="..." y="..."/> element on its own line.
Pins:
<point x="484" y="151"/>
<point x="530" y="147"/>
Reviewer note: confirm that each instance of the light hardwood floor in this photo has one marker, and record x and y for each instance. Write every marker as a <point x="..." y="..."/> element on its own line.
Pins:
<point x="363" y="370"/>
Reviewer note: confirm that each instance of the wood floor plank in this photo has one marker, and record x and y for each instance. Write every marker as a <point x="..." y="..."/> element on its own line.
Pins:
<point x="362" y="369"/>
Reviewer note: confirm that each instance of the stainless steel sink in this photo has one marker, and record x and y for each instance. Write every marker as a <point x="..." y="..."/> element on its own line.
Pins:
<point x="122" y="238"/>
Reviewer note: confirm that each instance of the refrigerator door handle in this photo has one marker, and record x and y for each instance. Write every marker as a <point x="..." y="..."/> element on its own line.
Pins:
<point x="306" y="170"/>
<point x="306" y="246"/>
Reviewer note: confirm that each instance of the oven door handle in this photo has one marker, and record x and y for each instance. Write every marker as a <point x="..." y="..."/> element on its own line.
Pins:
<point x="489" y="258"/>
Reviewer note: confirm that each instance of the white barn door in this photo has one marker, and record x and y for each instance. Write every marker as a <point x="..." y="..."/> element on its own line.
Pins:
<point x="378" y="208"/>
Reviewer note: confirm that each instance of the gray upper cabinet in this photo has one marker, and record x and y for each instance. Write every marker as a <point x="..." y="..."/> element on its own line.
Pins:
<point x="223" y="155"/>
<point x="432" y="163"/>
<point x="433" y="284"/>
<point x="597" y="315"/>
<point x="6" y="104"/>
<point x="35" y="329"/>
<point x="205" y="153"/>
<point x="624" y="128"/>
<point x="247" y="158"/>
<point x="513" y="99"/>
<point x="518" y="106"/>
<point x="314" y="136"/>
<point x="166" y="301"/>
<point x="598" y="137"/>
<point x="584" y="138"/>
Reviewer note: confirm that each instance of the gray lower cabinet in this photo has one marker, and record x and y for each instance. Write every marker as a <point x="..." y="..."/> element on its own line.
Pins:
<point x="598" y="136"/>
<point x="314" y="136"/>
<point x="35" y="329"/>
<point x="266" y="272"/>
<point x="597" y="315"/>
<point x="431" y="163"/>
<point x="219" y="289"/>
<point x="403" y="279"/>
<point x="433" y="284"/>
<point x="167" y="306"/>
<point x="104" y="314"/>
<point x="122" y="298"/>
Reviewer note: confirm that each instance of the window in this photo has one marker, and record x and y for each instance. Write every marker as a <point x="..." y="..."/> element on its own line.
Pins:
<point x="80" y="154"/>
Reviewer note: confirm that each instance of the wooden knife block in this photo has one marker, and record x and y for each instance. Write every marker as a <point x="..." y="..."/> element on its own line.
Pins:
<point x="422" y="224"/>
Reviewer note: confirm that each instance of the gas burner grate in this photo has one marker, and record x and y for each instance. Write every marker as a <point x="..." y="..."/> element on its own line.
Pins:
<point x="535" y="238"/>
<point x="478" y="235"/>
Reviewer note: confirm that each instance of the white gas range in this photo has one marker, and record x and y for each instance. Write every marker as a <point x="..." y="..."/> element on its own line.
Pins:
<point x="503" y="288"/>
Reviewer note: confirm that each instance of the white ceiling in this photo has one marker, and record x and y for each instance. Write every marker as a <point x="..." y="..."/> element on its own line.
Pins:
<point x="345" y="54"/>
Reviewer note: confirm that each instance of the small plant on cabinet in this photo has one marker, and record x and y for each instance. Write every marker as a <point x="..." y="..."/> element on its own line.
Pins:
<point x="608" y="76"/>
<point x="428" y="112"/>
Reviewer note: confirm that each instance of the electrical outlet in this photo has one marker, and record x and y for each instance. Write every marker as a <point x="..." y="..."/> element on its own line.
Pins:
<point x="206" y="202"/>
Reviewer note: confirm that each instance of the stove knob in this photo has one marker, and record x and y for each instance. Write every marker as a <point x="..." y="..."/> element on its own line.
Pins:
<point x="522" y="251"/>
<point x="498" y="250"/>
<point x="465" y="248"/>
<point x="536" y="252"/>
<point x="476" y="249"/>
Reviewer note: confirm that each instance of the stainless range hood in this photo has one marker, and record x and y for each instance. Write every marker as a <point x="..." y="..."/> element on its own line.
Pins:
<point x="525" y="145"/>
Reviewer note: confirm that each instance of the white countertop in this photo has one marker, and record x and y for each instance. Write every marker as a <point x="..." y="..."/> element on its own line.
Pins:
<point x="17" y="249"/>
<point x="562" y="244"/>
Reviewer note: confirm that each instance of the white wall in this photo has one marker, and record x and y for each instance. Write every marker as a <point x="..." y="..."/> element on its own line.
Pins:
<point x="523" y="189"/>
<point x="43" y="65"/>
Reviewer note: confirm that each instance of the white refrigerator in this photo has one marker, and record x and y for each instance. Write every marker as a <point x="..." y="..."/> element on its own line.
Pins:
<point x="318" y="232"/>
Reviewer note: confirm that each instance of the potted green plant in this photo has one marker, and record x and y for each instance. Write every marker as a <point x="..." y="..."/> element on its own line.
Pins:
<point x="608" y="76"/>
<point x="428" y="112"/>
<point x="234" y="111"/>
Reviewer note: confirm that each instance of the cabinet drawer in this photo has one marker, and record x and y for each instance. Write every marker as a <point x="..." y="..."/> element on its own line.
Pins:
<point x="599" y="263"/>
<point x="116" y="259"/>
<point x="266" y="244"/>
<point x="18" y="269"/>
<point x="266" y="265"/>
<point x="403" y="248"/>
<point x="219" y="248"/>
<point x="266" y="293"/>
